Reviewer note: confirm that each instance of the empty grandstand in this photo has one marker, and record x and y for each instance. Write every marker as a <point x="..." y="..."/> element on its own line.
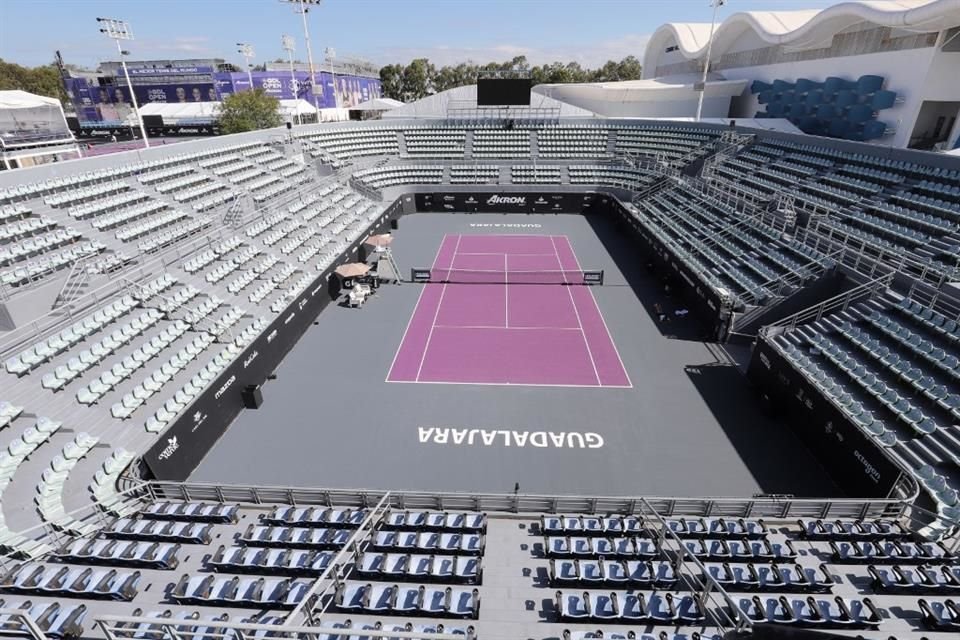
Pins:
<point x="482" y="372"/>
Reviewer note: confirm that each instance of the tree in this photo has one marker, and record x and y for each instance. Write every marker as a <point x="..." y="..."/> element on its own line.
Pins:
<point x="248" y="111"/>
<point x="420" y="78"/>
<point x="43" y="81"/>
<point x="391" y="81"/>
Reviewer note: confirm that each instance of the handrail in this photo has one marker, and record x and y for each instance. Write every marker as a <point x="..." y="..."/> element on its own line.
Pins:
<point x="692" y="578"/>
<point x="320" y="586"/>
<point x="840" y="301"/>
<point x="186" y="630"/>
<point x="534" y="504"/>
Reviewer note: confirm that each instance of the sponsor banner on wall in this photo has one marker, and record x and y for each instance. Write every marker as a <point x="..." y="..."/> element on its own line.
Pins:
<point x="851" y="458"/>
<point x="95" y="102"/>
<point x="512" y="202"/>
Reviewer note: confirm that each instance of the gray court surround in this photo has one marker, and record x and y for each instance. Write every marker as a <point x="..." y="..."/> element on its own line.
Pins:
<point x="688" y="427"/>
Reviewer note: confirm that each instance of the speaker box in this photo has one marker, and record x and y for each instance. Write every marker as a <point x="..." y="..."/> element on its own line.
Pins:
<point x="395" y="223"/>
<point x="252" y="396"/>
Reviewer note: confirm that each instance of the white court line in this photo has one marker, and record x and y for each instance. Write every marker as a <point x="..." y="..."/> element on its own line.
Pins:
<point x="600" y="313"/>
<point x="501" y="253"/>
<point x="514" y="384"/>
<point x="506" y="292"/>
<point x="414" y="312"/>
<point x="484" y="326"/>
<point x="556" y="254"/>
<point x="436" y="314"/>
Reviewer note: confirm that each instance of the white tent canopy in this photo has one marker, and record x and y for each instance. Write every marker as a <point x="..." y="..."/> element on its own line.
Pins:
<point x="293" y="107"/>
<point x="16" y="99"/>
<point x="378" y="104"/>
<point x="26" y="118"/>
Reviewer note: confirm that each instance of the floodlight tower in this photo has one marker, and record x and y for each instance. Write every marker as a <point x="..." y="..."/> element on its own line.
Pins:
<point x="329" y="53"/>
<point x="716" y="4"/>
<point x="118" y="30"/>
<point x="289" y="44"/>
<point x="246" y="50"/>
<point x="302" y="7"/>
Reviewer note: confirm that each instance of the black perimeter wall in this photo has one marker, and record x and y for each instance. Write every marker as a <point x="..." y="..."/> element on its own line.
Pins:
<point x="851" y="458"/>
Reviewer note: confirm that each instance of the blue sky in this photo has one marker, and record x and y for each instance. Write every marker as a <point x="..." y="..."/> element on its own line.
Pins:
<point x="382" y="31"/>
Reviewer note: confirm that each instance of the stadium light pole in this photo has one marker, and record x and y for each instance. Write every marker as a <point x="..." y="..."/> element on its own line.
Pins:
<point x="301" y="7"/>
<point x="118" y="30"/>
<point x="246" y="50"/>
<point x="330" y="54"/>
<point x="288" y="44"/>
<point x="706" y="63"/>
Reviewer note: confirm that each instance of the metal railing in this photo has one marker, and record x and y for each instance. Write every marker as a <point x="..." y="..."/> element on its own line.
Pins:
<point x="697" y="578"/>
<point x="757" y="507"/>
<point x="304" y="611"/>
<point x="127" y="627"/>
<point x="838" y="302"/>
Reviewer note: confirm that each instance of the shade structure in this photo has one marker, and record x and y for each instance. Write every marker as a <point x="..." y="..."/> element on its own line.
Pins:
<point x="381" y="240"/>
<point x="353" y="270"/>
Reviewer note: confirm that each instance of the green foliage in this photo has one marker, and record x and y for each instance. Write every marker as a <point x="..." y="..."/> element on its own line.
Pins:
<point x="248" y="111"/>
<point x="420" y="78"/>
<point x="42" y="81"/>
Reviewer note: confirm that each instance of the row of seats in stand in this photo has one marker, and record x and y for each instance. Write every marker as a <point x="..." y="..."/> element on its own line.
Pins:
<point x="35" y="245"/>
<point x="420" y="567"/>
<point x="536" y="174"/>
<point x="926" y="579"/>
<point x="24" y="273"/>
<point x="71" y="582"/>
<point x="412" y="600"/>
<point x="121" y="553"/>
<point x="392" y="175"/>
<point x="347" y="143"/>
<point x="54" y="619"/>
<point x="52" y="485"/>
<point x="236" y="591"/>
<point x="824" y="613"/>
<point x="11" y="459"/>
<point x="79" y="330"/>
<point x="682" y="527"/>
<point x="629" y="607"/>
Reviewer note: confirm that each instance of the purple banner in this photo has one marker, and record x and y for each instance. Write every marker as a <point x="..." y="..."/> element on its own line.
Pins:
<point x="167" y="71"/>
<point x="96" y="103"/>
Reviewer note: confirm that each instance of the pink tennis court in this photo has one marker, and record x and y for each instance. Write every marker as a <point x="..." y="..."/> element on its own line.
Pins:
<point x="499" y="310"/>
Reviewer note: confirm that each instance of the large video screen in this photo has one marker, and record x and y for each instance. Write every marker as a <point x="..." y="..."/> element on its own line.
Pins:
<point x="503" y="92"/>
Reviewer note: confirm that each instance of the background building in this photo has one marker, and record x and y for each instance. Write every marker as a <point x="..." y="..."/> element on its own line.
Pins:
<point x="885" y="72"/>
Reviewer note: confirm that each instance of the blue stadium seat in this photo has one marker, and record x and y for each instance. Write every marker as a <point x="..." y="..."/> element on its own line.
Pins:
<point x="883" y="100"/>
<point x="845" y="98"/>
<point x="782" y="85"/>
<point x="860" y="113"/>
<point x="874" y="129"/>
<point x="814" y="98"/>
<point x="776" y="109"/>
<point x="766" y="97"/>
<point x="869" y="84"/>
<point x="759" y="86"/>
<point x="838" y="127"/>
<point x="826" y="111"/>
<point x="804" y="85"/>
<point x="834" y="84"/>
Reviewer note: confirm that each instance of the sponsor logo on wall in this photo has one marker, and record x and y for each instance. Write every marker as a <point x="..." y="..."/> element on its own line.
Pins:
<point x="224" y="387"/>
<point x="172" y="445"/>
<point x="498" y="199"/>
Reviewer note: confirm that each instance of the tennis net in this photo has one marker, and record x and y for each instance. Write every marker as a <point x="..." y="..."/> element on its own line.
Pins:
<point x="512" y="276"/>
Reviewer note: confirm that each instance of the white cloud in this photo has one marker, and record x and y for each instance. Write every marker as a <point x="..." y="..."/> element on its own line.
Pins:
<point x="589" y="55"/>
<point x="193" y="46"/>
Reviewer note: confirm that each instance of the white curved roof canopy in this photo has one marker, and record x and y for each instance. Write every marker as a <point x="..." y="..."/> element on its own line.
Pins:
<point x="799" y="29"/>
